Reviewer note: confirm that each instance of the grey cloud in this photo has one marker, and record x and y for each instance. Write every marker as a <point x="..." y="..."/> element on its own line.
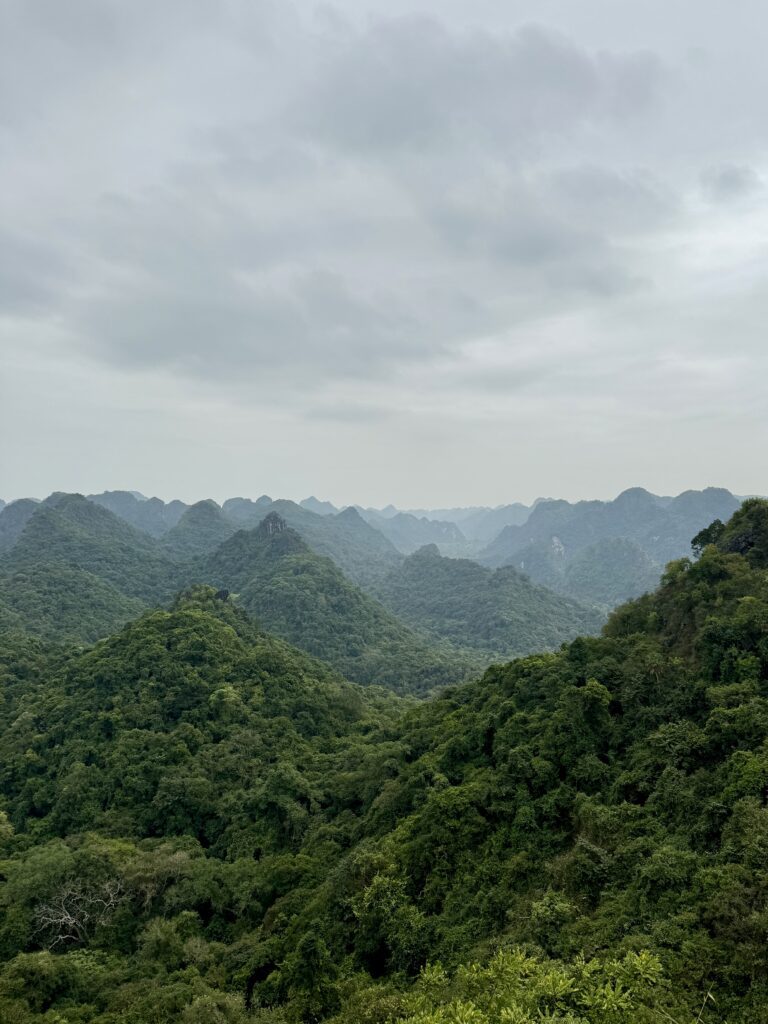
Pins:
<point x="267" y="206"/>
<point x="305" y="325"/>
<point x="278" y="259"/>
<point x="33" y="275"/>
<point x="728" y="182"/>
<point x="410" y="82"/>
<point x="613" y="201"/>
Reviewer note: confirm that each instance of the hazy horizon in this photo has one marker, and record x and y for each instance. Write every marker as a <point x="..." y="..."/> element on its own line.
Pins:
<point x="275" y="496"/>
<point x="422" y="252"/>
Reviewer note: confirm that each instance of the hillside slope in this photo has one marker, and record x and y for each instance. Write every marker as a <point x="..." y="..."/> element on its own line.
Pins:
<point x="78" y="572"/>
<point x="253" y="839"/>
<point x="200" y="529"/>
<point x="501" y="613"/>
<point x="305" y="598"/>
<point x="13" y="519"/>
<point x="151" y="515"/>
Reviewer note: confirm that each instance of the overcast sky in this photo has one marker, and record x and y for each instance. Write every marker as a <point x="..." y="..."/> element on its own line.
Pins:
<point x="421" y="251"/>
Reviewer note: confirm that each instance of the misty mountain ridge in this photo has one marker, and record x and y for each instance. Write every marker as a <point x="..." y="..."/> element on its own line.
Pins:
<point x="499" y="612"/>
<point x="574" y="549"/>
<point x="597" y="553"/>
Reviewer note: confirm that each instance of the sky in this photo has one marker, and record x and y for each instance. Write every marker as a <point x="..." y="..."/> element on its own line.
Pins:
<point x="427" y="252"/>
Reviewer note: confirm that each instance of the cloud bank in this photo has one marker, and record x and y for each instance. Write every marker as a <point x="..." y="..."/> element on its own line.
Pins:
<point x="297" y="247"/>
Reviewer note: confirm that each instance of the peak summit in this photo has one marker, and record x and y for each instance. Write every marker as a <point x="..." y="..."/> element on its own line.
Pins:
<point x="272" y="525"/>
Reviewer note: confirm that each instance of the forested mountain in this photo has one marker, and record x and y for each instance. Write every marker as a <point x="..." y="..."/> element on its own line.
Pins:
<point x="478" y="524"/>
<point x="322" y="508"/>
<point x="500" y="613"/>
<point x="574" y="549"/>
<point x="151" y="515"/>
<point x="13" y="519"/>
<point x="68" y="529"/>
<point x="408" y="533"/>
<point x="363" y="553"/>
<point x="244" y="511"/>
<point x="205" y="826"/>
<point x="603" y="574"/>
<point x="76" y="571"/>
<point x="557" y="532"/>
<point x="201" y="528"/>
<point x="304" y="598"/>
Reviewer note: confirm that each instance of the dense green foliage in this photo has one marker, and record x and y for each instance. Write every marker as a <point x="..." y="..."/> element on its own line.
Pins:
<point x="360" y="551"/>
<point x="205" y="825"/>
<point x="13" y="519"/>
<point x="75" y="571"/>
<point x="200" y="529"/>
<point x="307" y="600"/>
<point x="70" y="530"/>
<point x="501" y="613"/>
<point x="59" y="601"/>
<point x="78" y="572"/>
<point x="604" y="574"/>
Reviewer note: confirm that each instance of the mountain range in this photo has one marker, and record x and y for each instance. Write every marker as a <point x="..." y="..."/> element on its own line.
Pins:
<point x="200" y="823"/>
<point x="574" y="547"/>
<point x="75" y="571"/>
<point x="385" y="597"/>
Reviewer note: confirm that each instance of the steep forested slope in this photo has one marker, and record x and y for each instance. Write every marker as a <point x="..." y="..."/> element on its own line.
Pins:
<point x="201" y="528"/>
<point x="76" y="571"/>
<point x="304" y="598"/>
<point x="604" y="574"/>
<point x="13" y="519"/>
<point x="363" y="553"/>
<point x="202" y="826"/>
<point x="359" y="550"/>
<point x="500" y="613"/>
<point x="68" y="529"/>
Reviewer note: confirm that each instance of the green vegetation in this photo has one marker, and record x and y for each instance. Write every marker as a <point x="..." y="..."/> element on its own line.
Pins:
<point x="408" y="533"/>
<point x="603" y="553"/>
<point x="77" y="572"/>
<point x="151" y="515"/>
<point x="203" y="825"/>
<point x="361" y="552"/>
<point x="501" y="614"/>
<point x="60" y="602"/>
<point x="604" y="574"/>
<point x="68" y="529"/>
<point x="13" y="519"/>
<point x="307" y="600"/>
<point x="201" y="528"/>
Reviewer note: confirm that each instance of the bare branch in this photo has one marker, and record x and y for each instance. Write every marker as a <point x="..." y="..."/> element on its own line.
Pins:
<point x="73" y="913"/>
